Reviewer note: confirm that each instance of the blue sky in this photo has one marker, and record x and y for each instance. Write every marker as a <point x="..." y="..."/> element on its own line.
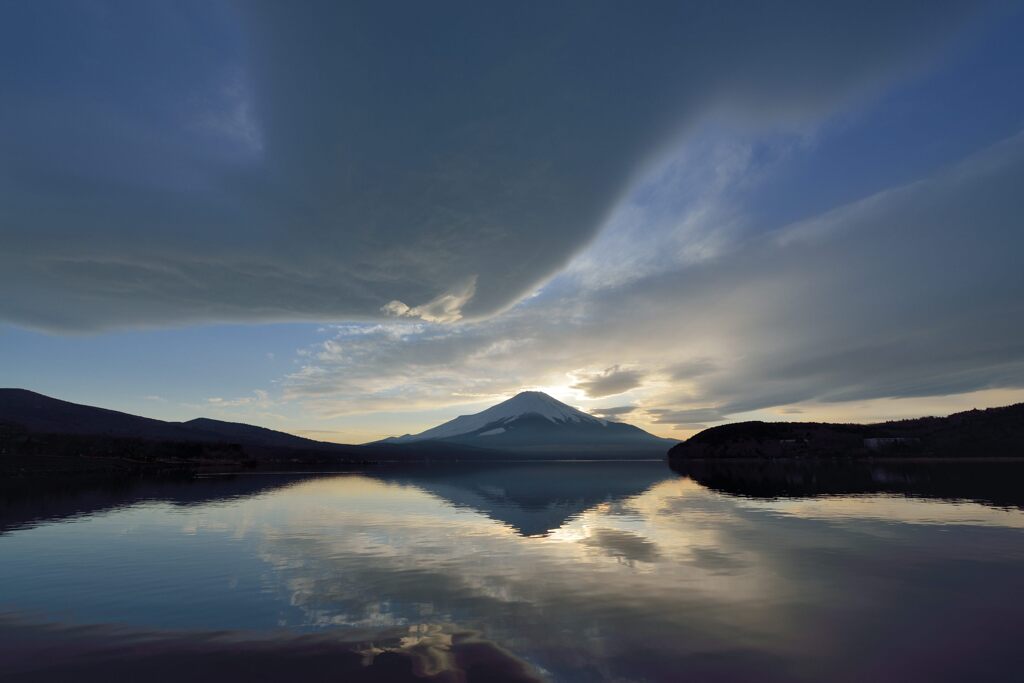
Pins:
<point x="350" y="222"/>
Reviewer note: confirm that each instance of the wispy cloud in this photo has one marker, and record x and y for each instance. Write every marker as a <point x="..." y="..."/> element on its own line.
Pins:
<point x="446" y="308"/>
<point x="613" y="412"/>
<point x="608" y="382"/>
<point x="258" y="399"/>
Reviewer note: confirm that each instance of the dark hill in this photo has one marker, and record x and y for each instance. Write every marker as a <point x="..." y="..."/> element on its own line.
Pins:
<point x="42" y="414"/>
<point x="995" y="432"/>
<point x="250" y="434"/>
<point x="39" y="433"/>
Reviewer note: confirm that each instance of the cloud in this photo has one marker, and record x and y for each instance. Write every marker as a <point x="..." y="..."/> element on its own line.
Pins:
<point x="446" y="308"/>
<point x="259" y="399"/>
<point x="329" y="162"/>
<point x="690" y="418"/>
<point x="691" y="368"/>
<point x="910" y="292"/>
<point x="614" y="412"/>
<point x="611" y="381"/>
<point x="365" y="368"/>
<point x="623" y="544"/>
<point x="913" y="291"/>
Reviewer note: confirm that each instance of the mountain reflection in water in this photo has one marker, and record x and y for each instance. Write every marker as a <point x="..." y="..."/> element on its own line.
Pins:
<point x="560" y="571"/>
<point x="531" y="501"/>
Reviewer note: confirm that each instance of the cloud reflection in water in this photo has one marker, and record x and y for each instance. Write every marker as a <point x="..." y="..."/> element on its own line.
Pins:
<point x="646" y="583"/>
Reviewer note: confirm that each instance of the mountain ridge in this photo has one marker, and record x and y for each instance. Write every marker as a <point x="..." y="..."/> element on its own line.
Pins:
<point x="45" y="414"/>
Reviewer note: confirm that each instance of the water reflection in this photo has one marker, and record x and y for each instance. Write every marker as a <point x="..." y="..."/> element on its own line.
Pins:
<point x="32" y="500"/>
<point x="512" y="493"/>
<point x="995" y="482"/>
<point x="105" y="653"/>
<point x="567" y="571"/>
<point x="533" y="501"/>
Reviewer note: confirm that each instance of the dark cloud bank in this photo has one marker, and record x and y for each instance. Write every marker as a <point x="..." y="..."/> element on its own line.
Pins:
<point x="268" y="161"/>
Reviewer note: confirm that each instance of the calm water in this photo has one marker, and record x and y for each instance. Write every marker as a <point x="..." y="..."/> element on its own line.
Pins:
<point x="566" y="572"/>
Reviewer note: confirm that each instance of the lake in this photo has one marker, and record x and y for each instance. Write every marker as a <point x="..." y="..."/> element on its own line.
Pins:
<point x="515" y="572"/>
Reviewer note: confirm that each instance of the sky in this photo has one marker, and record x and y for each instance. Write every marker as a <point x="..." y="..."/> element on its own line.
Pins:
<point x="354" y="220"/>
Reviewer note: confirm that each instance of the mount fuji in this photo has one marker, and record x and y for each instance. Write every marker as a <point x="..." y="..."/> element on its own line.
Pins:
<point x="532" y="423"/>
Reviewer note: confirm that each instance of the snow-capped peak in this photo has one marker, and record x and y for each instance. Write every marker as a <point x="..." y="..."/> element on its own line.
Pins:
<point x="524" y="403"/>
<point x="539" y="403"/>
